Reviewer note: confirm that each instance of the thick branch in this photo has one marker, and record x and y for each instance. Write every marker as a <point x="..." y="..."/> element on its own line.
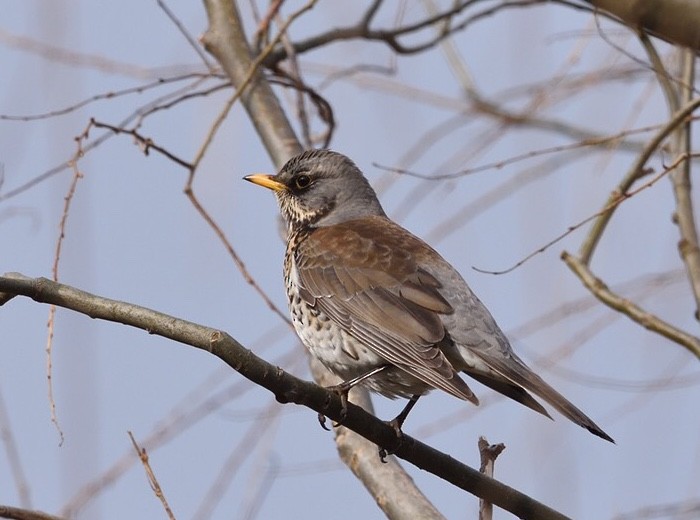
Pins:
<point x="675" y="21"/>
<point x="285" y="387"/>
<point x="15" y="513"/>
<point x="360" y="455"/>
<point x="225" y="39"/>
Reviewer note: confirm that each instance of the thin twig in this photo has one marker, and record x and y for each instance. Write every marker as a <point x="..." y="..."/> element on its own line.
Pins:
<point x="186" y="96"/>
<point x="100" y="97"/>
<point x="323" y="107"/>
<point x="263" y="30"/>
<point x="295" y="75"/>
<point x="240" y="89"/>
<point x="146" y="143"/>
<point x="193" y="43"/>
<point x="91" y="145"/>
<point x="610" y="141"/>
<point x="152" y="480"/>
<point x="614" y="202"/>
<point x="662" y="75"/>
<point x="56" y="259"/>
<point x="189" y="192"/>
<point x="635" y="172"/>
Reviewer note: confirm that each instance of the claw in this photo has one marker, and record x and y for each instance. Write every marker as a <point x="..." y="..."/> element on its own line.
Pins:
<point x="383" y="452"/>
<point x="342" y="390"/>
<point x="322" y="422"/>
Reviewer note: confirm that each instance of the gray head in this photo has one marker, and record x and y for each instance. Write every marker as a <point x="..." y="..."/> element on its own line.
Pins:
<point x="320" y="188"/>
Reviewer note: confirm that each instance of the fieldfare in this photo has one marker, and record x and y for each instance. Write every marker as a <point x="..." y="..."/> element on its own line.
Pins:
<point x="378" y="306"/>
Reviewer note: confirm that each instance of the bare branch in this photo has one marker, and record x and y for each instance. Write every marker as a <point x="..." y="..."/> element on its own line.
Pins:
<point x="360" y="455"/>
<point x="90" y="145"/>
<point x="68" y="199"/>
<point x="285" y="387"/>
<point x="225" y="39"/>
<point x="140" y="89"/>
<point x="621" y="197"/>
<point x="152" y="480"/>
<point x="601" y="291"/>
<point x="193" y="43"/>
<point x="145" y="143"/>
<point x="684" y="216"/>
<point x="488" y="453"/>
<point x="673" y="20"/>
<point x="15" y="513"/>
<point x="635" y="172"/>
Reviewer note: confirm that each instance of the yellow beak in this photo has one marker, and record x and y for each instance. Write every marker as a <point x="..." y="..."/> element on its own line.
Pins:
<point x="266" y="181"/>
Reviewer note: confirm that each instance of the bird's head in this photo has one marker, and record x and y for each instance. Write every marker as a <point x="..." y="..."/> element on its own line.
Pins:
<point x="320" y="188"/>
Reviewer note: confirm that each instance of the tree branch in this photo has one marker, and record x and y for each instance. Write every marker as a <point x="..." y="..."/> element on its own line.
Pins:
<point x="675" y="21"/>
<point x="285" y="387"/>
<point x="225" y="39"/>
<point x="360" y="455"/>
<point x="655" y="324"/>
<point x="684" y="216"/>
<point x="16" y="513"/>
<point x="679" y="92"/>
<point x="635" y="172"/>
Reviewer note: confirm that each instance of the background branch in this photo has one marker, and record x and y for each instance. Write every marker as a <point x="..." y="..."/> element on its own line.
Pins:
<point x="653" y="323"/>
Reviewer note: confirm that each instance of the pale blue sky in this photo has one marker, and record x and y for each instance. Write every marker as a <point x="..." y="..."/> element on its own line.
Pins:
<point x="133" y="235"/>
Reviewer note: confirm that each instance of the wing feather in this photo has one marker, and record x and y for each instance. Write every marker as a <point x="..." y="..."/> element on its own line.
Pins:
<point x="373" y="288"/>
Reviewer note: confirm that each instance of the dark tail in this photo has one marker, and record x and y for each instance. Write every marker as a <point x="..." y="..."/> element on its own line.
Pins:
<point x="517" y="379"/>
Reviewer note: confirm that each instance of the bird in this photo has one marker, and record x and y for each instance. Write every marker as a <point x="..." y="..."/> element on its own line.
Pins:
<point x="379" y="307"/>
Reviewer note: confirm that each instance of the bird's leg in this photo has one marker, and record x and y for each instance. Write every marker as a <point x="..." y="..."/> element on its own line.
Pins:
<point x="397" y="423"/>
<point x="342" y="390"/>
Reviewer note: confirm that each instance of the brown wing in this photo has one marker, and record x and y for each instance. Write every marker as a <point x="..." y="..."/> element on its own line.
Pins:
<point x="365" y="275"/>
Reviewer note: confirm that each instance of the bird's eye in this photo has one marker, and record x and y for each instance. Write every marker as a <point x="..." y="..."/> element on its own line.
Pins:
<point x="302" y="181"/>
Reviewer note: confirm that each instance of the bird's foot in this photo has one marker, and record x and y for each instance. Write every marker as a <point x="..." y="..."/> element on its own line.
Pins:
<point x="396" y="424"/>
<point x="342" y="390"/>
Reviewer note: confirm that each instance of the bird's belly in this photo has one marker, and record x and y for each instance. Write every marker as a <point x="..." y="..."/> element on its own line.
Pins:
<point x="331" y="345"/>
<point x="346" y="356"/>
